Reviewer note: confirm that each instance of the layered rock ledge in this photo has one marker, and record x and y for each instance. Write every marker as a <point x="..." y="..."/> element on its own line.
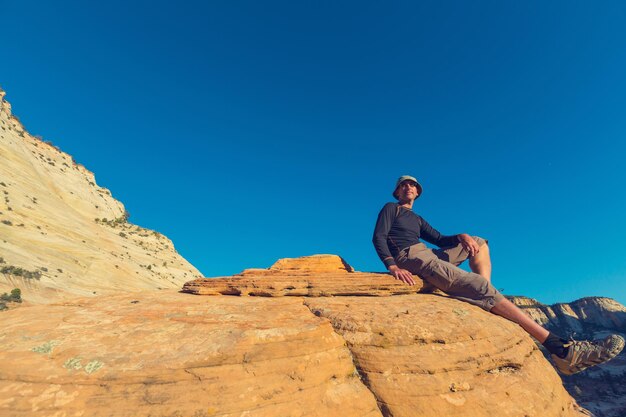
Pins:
<point x="308" y="276"/>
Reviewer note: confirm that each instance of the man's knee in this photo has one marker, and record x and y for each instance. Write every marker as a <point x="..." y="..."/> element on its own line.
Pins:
<point x="483" y="251"/>
<point x="482" y="243"/>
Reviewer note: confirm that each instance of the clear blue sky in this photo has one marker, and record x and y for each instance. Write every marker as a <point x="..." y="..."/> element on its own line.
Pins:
<point x="252" y="131"/>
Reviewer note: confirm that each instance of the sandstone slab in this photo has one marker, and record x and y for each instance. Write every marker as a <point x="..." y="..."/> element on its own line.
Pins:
<point x="172" y="354"/>
<point x="309" y="276"/>
<point x="427" y="355"/>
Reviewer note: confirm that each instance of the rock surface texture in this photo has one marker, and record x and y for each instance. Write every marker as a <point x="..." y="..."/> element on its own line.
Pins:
<point x="62" y="235"/>
<point x="425" y="355"/>
<point x="170" y="354"/>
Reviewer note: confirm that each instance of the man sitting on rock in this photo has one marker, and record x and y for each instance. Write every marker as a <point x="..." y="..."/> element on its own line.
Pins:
<point x="397" y="241"/>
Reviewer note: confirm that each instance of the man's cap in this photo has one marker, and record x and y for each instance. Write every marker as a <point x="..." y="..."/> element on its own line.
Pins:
<point x="407" y="178"/>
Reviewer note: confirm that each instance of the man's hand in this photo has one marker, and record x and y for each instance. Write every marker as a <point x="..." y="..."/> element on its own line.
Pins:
<point x="469" y="244"/>
<point x="401" y="274"/>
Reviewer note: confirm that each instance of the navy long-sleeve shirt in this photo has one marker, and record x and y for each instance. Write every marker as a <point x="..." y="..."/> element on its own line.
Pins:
<point x="398" y="228"/>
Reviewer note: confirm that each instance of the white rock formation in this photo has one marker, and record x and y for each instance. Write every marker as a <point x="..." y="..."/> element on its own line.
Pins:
<point x="63" y="235"/>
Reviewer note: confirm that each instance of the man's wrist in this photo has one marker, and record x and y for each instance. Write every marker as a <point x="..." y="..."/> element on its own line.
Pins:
<point x="389" y="262"/>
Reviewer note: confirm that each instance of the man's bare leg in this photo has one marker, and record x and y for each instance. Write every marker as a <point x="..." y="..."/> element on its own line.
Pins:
<point x="481" y="263"/>
<point x="510" y="311"/>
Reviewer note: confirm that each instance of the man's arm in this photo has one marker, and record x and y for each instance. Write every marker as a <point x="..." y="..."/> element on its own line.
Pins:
<point x="432" y="235"/>
<point x="385" y="220"/>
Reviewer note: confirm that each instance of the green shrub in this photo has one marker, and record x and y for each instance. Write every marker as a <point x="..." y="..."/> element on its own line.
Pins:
<point x="7" y="222"/>
<point x="14" y="297"/>
<point x="20" y="272"/>
<point x="122" y="219"/>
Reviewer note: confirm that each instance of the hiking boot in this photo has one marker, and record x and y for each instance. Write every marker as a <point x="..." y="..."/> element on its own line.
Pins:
<point x="583" y="354"/>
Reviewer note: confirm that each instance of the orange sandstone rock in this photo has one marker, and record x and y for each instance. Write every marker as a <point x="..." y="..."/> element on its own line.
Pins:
<point x="170" y="354"/>
<point x="427" y="355"/>
<point x="312" y="264"/>
<point x="310" y="276"/>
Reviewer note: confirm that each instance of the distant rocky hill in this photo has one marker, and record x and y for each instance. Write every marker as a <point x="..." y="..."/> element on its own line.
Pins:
<point x="584" y="317"/>
<point x="63" y="235"/>
<point x="601" y="390"/>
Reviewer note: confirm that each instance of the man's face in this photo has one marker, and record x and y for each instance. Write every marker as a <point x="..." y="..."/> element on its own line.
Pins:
<point x="407" y="190"/>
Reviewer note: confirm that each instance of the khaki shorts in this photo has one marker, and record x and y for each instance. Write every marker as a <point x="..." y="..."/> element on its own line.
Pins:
<point x="439" y="268"/>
